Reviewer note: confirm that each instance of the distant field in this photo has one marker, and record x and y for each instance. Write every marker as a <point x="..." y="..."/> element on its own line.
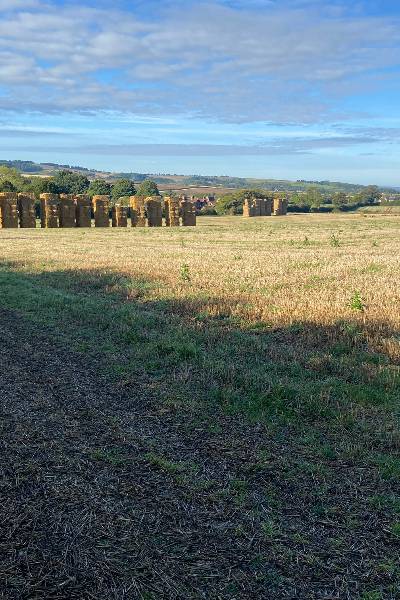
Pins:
<point x="381" y="210"/>
<point x="212" y="412"/>
<point x="193" y="190"/>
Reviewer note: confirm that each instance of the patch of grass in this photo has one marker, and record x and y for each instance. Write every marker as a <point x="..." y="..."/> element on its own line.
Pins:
<point x="389" y="467"/>
<point x="334" y="240"/>
<point x="391" y="568"/>
<point x="395" y="529"/>
<point x="239" y="488"/>
<point x="372" y="268"/>
<point x="374" y="595"/>
<point x="387" y="502"/>
<point x="167" y="466"/>
<point x="113" y="456"/>
<point x="270" y="529"/>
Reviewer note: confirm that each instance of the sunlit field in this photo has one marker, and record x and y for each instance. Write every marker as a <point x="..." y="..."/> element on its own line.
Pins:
<point x="272" y="270"/>
<point x="267" y="350"/>
<point x="255" y="273"/>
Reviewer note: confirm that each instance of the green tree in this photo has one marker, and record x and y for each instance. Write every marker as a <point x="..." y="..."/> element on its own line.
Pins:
<point x="232" y="204"/>
<point x="340" y="199"/>
<point x="314" y="197"/>
<point x="123" y="187"/>
<point x="69" y="182"/>
<point x="370" y="194"/>
<point x="11" y="180"/>
<point x="99" y="187"/>
<point x="298" y="200"/>
<point x="7" y="186"/>
<point x="148" y="188"/>
<point x="42" y="185"/>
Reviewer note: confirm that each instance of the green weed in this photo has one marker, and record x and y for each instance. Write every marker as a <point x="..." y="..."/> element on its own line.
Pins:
<point x="185" y="272"/>
<point x="356" y="302"/>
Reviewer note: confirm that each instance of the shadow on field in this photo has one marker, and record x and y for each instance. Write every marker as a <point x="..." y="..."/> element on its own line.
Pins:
<point x="192" y="351"/>
<point x="161" y="449"/>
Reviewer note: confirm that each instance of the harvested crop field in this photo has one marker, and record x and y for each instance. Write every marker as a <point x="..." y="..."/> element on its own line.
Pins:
<point x="207" y="412"/>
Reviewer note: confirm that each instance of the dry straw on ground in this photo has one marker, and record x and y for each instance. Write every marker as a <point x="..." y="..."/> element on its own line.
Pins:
<point x="277" y="271"/>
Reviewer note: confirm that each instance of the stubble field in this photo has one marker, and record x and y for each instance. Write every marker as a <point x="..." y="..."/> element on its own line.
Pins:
<point x="207" y="412"/>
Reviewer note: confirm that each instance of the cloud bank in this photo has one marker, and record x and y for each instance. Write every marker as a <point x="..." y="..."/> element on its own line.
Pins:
<point x="229" y="61"/>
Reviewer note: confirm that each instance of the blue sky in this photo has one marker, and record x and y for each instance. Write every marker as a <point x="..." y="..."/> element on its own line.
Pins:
<point x="297" y="89"/>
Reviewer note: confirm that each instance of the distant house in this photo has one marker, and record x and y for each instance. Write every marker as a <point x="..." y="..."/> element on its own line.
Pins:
<point x="390" y="197"/>
<point x="203" y="201"/>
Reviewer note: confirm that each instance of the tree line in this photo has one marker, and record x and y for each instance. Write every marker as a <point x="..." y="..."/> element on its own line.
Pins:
<point x="68" y="182"/>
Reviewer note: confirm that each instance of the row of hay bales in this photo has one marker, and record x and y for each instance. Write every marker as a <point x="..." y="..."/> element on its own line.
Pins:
<point x="69" y="210"/>
<point x="265" y="207"/>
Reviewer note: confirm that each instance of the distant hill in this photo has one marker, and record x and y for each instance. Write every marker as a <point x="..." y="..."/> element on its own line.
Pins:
<point x="192" y="183"/>
<point x="29" y="167"/>
<point x="24" y="166"/>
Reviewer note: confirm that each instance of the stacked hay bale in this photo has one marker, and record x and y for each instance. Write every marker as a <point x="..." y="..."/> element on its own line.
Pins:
<point x="49" y="210"/>
<point x="280" y="206"/>
<point x="188" y="212"/>
<point x="251" y="207"/>
<point x="171" y="211"/>
<point x="265" y="207"/>
<point x="26" y="209"/>
<point x="166" y="209"/>
<point x="119" y="216"/>
<point x="257" y="207"/>
<point x="154" y="211"/>
<point x="83" y="207"/>
<point x="67" y="210"/>
<point x="101" y="207"/>
<point x="247" y="208"/>
<point x="167" y="200"/>
<point x="138" y="211"/>
<point x="134" y="217"/>
<point x="8" y="210"/>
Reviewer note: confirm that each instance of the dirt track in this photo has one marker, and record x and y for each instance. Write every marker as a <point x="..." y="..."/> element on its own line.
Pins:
<point x="105" y="494"/>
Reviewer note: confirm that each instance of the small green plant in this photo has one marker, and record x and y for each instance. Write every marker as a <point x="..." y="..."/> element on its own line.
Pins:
<point x="389" y="467"/>
<point x="164" y="464"/>
<point x="270" y="529"/>
<point x="335" y="242"/>
<point x="185" y="273"/>
<point x="395" y="529"/>
<point x="111" y="456"/>
<point x="375" y="595"/>
<point x="356" y="302"/>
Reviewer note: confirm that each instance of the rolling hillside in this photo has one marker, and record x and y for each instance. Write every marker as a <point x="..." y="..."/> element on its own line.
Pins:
<point x="191" y="183"/>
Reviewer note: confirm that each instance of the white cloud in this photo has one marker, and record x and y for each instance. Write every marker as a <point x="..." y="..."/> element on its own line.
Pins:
<point x="270" y="61"/>
<point x="10" y="5"/>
